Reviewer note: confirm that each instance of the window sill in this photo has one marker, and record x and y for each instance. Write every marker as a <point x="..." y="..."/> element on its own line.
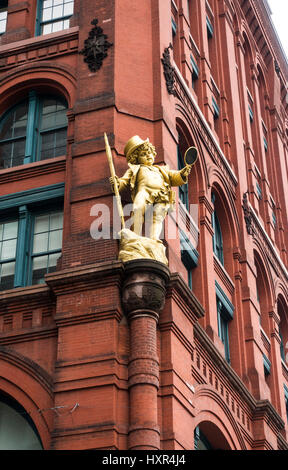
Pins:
<point x="36" y="42"/>
<point x="35" y="169"/>
<point x="18" y="293"/>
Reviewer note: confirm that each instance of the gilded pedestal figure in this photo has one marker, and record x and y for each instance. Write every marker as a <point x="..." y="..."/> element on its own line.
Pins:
<point x="150" y="185"/>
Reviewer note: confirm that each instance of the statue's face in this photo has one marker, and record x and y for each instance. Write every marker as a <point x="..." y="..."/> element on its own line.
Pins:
<point x="146" y="158"/>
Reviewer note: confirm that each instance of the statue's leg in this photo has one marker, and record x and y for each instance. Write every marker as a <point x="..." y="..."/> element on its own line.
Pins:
<point x="159" y="213"/>
<point x="139" y="211"/>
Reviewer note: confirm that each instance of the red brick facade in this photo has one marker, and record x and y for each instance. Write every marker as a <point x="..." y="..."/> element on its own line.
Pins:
<point x="87" y="373"/>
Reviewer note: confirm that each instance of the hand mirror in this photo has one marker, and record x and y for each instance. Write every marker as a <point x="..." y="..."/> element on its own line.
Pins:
<point x="191" y="156"/>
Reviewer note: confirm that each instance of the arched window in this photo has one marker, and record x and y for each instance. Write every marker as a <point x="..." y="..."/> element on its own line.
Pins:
<point x="35" y="129"/>
<point x="17" y="430"/>
<point x="217" y="237"/>
<point x="283" y="328"/>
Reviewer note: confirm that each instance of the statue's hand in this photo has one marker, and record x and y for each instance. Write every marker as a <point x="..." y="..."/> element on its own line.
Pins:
<point x="185" y="171"/>
<point x="112" y="182"/>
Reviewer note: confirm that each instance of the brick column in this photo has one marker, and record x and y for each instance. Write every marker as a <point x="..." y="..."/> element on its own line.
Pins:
<point x="143" y="298"/>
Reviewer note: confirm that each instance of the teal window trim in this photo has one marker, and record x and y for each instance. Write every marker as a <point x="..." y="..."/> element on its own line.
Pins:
<point x="25" y="206"/>
<point x="216" y="108"/>
<point x="267" y="365"/>
<point x="39" y="23"/>
<point x="195" y="69"/>
<point x="282" y="350"/>
<point x="217" y="239"/>
<point x="251" y="114"/>
<point x="33" y="133"/>
<point x="199" y="436"/>
<point x="210" y="30"/>
<point x="225" y="313"/>
<point x="286" y="399"/>
<point x="259" y="190"/>
<point x="227" y="304"/>
<point x="189" y="256"/>
<point x="274" y="220"/>
<point x="30" y="129"/>
<point x="265" y="144"/>
<point x="183" y="190"/>
<point x="21" y="249"/>
<point x="30" y="196"/>
<point x="174" y="27"/>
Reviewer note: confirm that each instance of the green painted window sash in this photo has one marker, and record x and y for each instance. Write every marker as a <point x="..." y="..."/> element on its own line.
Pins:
<point x="209" y="26"/>
<point x="225" y="313"/>
<point x="183" y="190"/>
<point x="20" y="201"/>
<point x="267" y="365"/>
<point x="39" y="23"/>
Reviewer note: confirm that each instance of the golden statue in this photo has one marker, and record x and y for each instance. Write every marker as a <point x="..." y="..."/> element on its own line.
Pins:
<point x="149" y="184"/>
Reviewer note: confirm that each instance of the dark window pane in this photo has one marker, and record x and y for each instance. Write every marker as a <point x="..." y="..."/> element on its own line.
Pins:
<point x="7" y="271"/>
<point x="53" y="144"/>
<point x="15" y="123"/>
<point x="39" y="269"/>
<point x="53" y="114"/>
<point x="12" y="153"/>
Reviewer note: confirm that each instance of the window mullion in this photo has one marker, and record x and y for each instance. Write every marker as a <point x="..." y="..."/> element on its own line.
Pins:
<point x="21" y="251"/>
<point x="31" y="127"/>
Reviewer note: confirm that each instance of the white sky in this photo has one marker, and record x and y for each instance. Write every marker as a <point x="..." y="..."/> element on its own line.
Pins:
<point x="280" y="19"/>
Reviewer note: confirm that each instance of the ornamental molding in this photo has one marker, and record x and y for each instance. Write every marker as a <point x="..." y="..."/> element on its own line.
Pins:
<point x="95" y="47"/>
<point x="169" y="70"/>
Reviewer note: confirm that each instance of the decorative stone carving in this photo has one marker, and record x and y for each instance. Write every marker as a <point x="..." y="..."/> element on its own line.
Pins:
<point x="95" y="47"/>
<point x="247" y="214"/>
<point x="144" y="287"/>
<point x="168" y="70"/>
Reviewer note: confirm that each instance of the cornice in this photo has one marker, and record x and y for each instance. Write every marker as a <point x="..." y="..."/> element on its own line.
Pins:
<point x="268" y="30"/>
<point x="81" y="278"/>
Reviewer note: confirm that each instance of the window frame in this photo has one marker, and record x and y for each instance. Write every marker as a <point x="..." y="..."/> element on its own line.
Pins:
<point x="4" y="9"/>
<point x="27" y="204"/>
<point x="40" y="22"/>
<point x="225" y="313"/>
<point x="33" y="133"/>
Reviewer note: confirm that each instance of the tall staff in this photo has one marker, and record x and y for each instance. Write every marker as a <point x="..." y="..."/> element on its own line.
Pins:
<point x="113" y="174"/>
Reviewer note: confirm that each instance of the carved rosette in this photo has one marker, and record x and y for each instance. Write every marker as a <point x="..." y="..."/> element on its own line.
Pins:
<point x="144" y="288"/>
<point x="95" y="47"/>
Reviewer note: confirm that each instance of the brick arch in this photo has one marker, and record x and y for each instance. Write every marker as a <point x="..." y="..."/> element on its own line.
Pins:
<point x="184" y="123"/>
<point x="31" y="386"/>
<point x="281" y="291"/>
<point x="227" y="215"/>
<point x="262" y="258"/>
<point x="43" y="76"/>
<point x="219" y="415"/>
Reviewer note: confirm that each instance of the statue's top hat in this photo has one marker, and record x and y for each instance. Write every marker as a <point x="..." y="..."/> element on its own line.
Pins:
<point x="133" y="144"/>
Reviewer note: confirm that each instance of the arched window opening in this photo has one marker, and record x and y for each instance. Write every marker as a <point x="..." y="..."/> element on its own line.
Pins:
<point x="207" y="436"/>
<point x="33" y="130"/>
<point x="283" y="328"/>
<point x="262" y="293"/>
<point x="217" y="237"/>
<point x="187" y="222"/>
<point x="17" y="430"/>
